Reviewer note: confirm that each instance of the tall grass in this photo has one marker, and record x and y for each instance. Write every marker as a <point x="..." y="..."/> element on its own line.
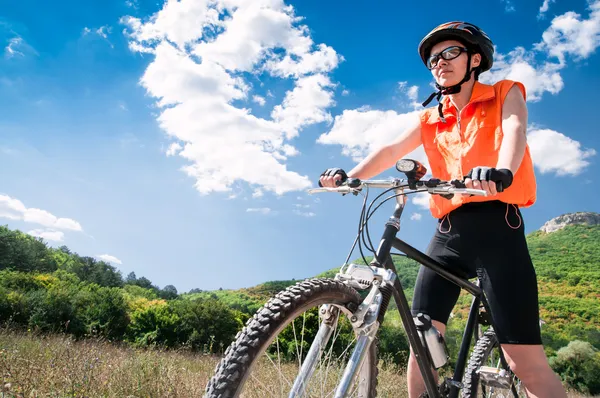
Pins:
<point x="57" y="366"/>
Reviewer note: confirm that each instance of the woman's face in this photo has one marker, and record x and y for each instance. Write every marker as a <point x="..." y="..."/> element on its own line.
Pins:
<point x="450" y="72"/>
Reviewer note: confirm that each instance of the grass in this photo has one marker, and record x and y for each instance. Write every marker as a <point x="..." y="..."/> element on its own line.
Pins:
<point x="57" y="366"/>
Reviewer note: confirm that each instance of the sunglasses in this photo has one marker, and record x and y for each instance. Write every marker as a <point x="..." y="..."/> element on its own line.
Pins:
<point x="447" y="54"/>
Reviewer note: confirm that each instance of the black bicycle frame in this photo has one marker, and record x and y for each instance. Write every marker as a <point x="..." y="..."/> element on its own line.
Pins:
<point x="383" y="259"/>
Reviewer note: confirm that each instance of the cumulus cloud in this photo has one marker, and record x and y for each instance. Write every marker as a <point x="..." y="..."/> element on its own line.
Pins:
<point x="569" y="34"/>
<point x="520" y="65"/>
<point x="207" y="54"/>
<point x="554" y="152"/>
<point x="422" y="200"/>
<point x="14" y="209"/>
<point x="259" y="100"/>
<point x="544" y="8"/>
<point x="109" y="259"/>
<point x="51" y="235"/>
<point x="360" y="131"/>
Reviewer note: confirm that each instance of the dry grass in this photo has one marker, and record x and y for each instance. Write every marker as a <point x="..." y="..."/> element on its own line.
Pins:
<point x="56" y="366"/>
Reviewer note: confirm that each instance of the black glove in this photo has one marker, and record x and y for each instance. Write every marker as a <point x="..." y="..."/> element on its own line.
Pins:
<point x="332" y="172"/>
<point x="502" y="177"/>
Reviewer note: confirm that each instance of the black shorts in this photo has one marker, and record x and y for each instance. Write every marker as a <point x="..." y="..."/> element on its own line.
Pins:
<point x="485" y="238"/>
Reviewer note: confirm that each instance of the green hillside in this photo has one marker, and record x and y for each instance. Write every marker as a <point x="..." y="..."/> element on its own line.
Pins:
<point x="567" y="264"/>
<point x="53" y="290"/>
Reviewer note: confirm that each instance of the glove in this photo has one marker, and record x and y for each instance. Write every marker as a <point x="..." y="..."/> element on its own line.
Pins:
<point x="502" y="177"/>
<point x="333" y="172"/>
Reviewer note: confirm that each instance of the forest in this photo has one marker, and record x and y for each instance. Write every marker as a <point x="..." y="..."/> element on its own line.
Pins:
<point x="53" y="291"/>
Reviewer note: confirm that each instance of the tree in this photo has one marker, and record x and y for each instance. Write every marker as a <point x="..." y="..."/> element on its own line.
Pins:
<point x="131" y="278"/>
<point x="168" y="292"/>
<point x="578" y="365"/>
<point x="145" y="283"/>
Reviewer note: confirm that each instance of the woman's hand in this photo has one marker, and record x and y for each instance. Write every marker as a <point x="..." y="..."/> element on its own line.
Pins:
<point x="491" y="180"/>
<point x="332" y="178"/>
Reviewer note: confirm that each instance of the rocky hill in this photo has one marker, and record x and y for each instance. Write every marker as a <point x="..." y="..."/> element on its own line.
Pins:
<point x="579" y="218"/>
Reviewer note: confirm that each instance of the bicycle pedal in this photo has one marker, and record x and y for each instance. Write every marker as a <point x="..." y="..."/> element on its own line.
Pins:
<point x="495" y="377"/>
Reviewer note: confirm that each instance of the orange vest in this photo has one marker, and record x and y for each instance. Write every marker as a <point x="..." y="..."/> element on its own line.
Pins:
<point x="455" y="147"/>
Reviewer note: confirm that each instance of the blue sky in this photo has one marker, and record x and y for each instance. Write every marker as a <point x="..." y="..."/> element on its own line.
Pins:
<point x="177" y="139"/>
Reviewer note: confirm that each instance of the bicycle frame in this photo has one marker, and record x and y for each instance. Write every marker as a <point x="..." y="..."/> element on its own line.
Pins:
<point x="384" y="261"/>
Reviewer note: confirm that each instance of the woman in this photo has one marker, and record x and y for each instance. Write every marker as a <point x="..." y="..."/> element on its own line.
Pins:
<point x="477" y="131"/>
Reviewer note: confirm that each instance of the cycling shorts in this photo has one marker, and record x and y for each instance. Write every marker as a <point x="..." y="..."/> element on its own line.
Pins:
<point x="485" y="239"/>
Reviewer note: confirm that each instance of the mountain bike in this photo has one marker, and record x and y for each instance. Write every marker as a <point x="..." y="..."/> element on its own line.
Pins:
<point x="319" y="337"/>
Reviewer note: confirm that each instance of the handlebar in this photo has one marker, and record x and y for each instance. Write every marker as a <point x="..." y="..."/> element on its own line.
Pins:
<point x="433" y="186"/>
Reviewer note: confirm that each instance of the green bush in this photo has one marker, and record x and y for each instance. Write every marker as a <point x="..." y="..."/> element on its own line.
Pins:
<point x="578" y="365"/>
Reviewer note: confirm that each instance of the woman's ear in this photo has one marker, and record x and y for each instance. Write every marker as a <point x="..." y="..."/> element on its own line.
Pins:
<point x="475" y="60"/>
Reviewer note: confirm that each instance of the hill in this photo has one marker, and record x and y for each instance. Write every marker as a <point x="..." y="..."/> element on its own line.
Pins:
<point x="48" y="290"/>
<point x="567" y="263"/>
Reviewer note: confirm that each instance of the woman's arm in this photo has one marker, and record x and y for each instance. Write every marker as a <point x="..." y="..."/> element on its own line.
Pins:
<point x="514" y="127"/>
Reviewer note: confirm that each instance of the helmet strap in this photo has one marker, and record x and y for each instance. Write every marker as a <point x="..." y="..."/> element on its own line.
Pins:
<point x="455" y="89"/>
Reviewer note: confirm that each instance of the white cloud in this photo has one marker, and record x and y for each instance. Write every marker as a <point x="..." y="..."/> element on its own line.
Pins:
<point x="258" y="193"/>
<point x="56" y="236"/>
<point x="11" y="50"/>
<point x="416" y="216"/>
<point x="205" y="54"/>
<point x="132" y="4"/>
<point x="508" y="6"/>
<point x="17" y="47"/>
<point x="569" y="34"/>
<point x="301" y="205"/>
<point x="412" y="93"/>
<point x="102" y="31"/>
<point x="360" y="131"/>
<point x="422" y="200"/>
<point x="304" y="213"/>
<point x="544" y="8"/>
<point x="14" y="209"/>
<point x="174" y="148"/>
<point x="345" y="93"/>
<point x="260" y="210"/>
<point x="305" y="104"/>
<point x="109" y="259"/>
<point x="259" y="100"/>
<point x="520" y="65"/>
<point x="553" y="152"/>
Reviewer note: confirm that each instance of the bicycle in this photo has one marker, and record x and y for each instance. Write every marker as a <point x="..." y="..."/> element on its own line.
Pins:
<point x="349" y="308"/>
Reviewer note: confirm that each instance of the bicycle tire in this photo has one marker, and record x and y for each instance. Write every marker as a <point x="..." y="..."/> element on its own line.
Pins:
<point x="480" y="355"/>
<point x="260" y="330"/>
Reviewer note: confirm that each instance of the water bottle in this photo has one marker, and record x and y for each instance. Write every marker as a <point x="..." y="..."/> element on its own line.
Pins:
<point x="433" y="340"/>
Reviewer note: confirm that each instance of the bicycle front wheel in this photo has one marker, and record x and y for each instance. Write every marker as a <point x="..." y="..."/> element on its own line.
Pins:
<point x="268" y="353"/>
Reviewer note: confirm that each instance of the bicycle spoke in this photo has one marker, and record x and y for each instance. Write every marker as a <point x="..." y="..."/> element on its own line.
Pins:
<point x="296" y="341"/>
<point x="279" y="362"/>
<point x="279" y="370"/>
<point x="262" y="385"/>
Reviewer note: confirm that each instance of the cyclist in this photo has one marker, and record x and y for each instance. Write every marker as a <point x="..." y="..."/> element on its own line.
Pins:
<point x="476" y="133"/>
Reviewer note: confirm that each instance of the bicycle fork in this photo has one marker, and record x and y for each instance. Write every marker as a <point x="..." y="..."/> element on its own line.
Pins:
<point x="364" y="320"/>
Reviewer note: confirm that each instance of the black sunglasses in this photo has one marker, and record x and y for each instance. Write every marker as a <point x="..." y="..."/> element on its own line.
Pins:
<point x="447" y="54"/>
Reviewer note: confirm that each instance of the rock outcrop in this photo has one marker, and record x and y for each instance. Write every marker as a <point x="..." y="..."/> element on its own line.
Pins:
<point x="586" y="218"/>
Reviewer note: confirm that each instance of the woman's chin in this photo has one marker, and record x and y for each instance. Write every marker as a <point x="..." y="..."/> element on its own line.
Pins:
<point x="447" y="81"/>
